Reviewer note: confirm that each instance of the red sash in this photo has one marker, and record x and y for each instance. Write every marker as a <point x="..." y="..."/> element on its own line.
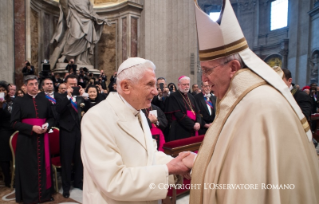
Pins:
<point x="40" y="122"/>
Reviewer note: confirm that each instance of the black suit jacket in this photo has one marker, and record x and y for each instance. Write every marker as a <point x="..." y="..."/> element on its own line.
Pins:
<point x="69" y="118"/>
<point x="204" y="113"/>
<point x="158" y="103"/>
<point x="56" y="116"/>
<point x="161" y="117"/>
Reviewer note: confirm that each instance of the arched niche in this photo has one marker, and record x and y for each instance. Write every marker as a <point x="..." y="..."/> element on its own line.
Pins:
<point x="274" y="60"/>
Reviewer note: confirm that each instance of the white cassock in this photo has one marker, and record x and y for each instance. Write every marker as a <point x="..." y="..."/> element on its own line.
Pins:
<point x="120" y="160"/>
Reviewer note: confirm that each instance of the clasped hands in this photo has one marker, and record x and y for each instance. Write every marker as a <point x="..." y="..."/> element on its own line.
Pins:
<point x="182" y="164"/>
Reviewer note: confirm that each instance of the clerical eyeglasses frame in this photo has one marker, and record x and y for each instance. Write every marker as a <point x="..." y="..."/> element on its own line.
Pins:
<point x="210" y="70"/>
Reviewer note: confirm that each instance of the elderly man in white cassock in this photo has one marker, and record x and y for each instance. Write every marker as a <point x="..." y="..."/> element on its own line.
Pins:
<point x="259" y="147"/>
<point x="121" y="163"/>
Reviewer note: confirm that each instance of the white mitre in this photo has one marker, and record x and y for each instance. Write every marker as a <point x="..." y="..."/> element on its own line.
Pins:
<point x="225" y="37"/>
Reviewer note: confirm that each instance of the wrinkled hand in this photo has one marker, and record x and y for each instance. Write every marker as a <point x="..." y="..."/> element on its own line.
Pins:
<point x="37" y="129"/>
<point x="152" y="118"/>
<point x="176" y="165"/>
<point x="196" y="126"/>
<point x="189" y="160"/>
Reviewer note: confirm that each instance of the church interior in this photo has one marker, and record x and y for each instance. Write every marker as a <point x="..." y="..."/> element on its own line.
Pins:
<point x="282" y="33"/>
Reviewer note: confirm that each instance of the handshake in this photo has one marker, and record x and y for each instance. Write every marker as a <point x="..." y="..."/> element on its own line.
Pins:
<point x="182" y="164"/>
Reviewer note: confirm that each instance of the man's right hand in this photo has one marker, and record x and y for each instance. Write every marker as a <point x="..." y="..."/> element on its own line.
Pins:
<point x="69" y="91"/>
<point x="37" y="129"/>
<point x="196" y="126"/>
<point x="176" y="165"/>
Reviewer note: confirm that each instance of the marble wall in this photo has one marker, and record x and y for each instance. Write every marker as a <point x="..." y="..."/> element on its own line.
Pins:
<point x="106" y="48"/>
<point x="34" y="17"/>
<point x="7" y="40"/>
<point x="169" y="38"/>
<point x="19" y="39"/>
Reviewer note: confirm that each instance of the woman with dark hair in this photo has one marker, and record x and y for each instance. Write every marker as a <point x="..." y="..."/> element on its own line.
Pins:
<point x="5" y="132"/>
<point x="172" y="87"/>
<point x="20" y="93"/>
<point x="94" y="97"/>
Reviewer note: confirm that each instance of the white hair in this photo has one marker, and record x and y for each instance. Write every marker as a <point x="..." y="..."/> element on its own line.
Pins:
<point x="184" y="77"/>
<point x="134" y="73"/>
<point x="229" y="58"/>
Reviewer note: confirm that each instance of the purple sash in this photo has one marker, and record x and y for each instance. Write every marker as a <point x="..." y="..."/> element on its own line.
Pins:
<point x="192" y="116"/>
<point x="40" y="122"/>
<point x="51" y="99"/>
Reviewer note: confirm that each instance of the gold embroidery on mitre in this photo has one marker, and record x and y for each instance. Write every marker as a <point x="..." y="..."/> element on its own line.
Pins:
<point x="224" y="50"/>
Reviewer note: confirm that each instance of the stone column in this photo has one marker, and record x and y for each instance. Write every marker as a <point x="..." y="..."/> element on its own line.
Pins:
<point x="6" y="41"/>
<point x="19" y="39"/>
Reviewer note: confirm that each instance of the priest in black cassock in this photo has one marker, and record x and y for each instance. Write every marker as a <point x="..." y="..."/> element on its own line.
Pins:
<point x="183" y="112"/>
<point x="207" y="106"/>
<point x="32" y="117"/>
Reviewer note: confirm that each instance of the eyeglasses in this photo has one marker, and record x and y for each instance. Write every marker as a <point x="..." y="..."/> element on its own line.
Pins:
<point x="210" y="70"/>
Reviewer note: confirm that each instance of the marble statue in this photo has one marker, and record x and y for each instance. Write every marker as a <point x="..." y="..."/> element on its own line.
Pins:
<point x="78" y="30"/>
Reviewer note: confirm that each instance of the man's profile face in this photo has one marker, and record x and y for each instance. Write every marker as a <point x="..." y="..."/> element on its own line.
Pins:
<point x="62" y="88"/>
<point x="183" y="85"/>
<point x="144" y="90"/>
<point x="195" y="88"/>
<point x="314" y="86"/>
<point x="32" y="87"/>
<point x="12" y="90"/>
<point x="71" y="82"/>
<point x="206" y="88"/>
<point x="217" y="75"/>
<point x="159" y="82"/>
<point x="47" y="86"/>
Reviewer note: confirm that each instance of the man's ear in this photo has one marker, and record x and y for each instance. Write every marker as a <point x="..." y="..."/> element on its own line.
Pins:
<point x="290" y="80"/>
<point x="234" y="66"/>
<point x="126" y="86"/>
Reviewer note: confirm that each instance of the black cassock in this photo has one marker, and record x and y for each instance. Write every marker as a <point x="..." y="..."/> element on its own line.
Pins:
<point x="176" y="110"/>
<point x="30" y="173"/>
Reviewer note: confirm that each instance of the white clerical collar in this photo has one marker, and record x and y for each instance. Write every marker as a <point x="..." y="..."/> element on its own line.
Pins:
<point x="33" y="96"/>
<point x="134" y="111"/>
<point x="52" y="93"/>
<point x="291" y="87"/>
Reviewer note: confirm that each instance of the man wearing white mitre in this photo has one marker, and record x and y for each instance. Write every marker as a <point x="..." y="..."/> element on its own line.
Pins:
<point x="120" y="159"/>
<point x="259" y="147"/>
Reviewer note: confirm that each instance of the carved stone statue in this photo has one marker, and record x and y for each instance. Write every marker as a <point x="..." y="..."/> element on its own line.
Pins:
<point x="78" y="30"/>
<point x="314" y="67"/>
